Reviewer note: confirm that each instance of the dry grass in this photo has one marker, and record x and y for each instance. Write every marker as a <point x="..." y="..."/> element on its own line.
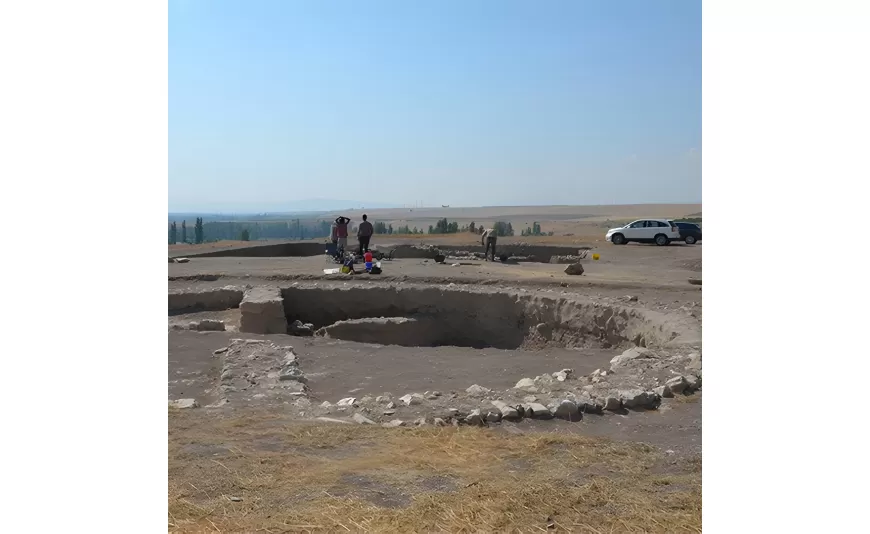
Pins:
<point x="296" y="477"/>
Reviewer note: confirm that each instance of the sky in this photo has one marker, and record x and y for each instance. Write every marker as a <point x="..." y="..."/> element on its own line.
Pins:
<point x="488" y="102"/>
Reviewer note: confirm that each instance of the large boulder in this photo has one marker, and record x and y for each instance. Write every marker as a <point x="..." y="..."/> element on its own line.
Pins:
<point x="477" y="391"/>
<point x="525" y="383"/>
<point x="537" y="411"/>
<point x="574" y="269"/>
<point x="630" y="355"/>
<point x="507" y="412"/>
<point x="677" y="384"/>
<point x="567" y="409"/>
<point x="638" y="398"/>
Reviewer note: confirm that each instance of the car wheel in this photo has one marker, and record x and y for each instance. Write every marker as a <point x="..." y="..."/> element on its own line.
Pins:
<point x="690" y="240"/>
<point x="617" y="239"/>
<point x="662" y="240"/>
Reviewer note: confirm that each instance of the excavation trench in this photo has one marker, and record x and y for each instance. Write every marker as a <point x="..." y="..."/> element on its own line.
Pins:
<point x="434" y="316"/>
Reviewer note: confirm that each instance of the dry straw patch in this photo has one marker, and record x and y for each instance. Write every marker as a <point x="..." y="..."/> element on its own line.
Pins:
<point x="294" y="477"/>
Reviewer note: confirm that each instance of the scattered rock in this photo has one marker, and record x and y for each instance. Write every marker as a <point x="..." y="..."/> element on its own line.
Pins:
<point x="567" y="410"/>
<point x="384" y="398"/>
<point x="420" y="422"/>
<point x="612" y="403"/>
<point x="394" y="423"/>
<point x="221" y="350"/>
<point x="544" y="380"/>
<point x="574" y="269"/>
<point x="235" y="499"/>
<point x="475" y="419"/>
<point x="493" y="417"/>
<point x="184" y="403"/>
<point x="630" y="355"/>
<point x="291" y="372"/>
<point x="182" y="260"/>
<point x="694" y="362"/>
<point x="631" y="298"/>
<point x="692" y="382"/>
<point x="347" y="401"/>
<point x="389" y="412"/>
<point x="663" y="391"/>
<point x="525" y="383"/>
<point x="530" y="398"/>
<point x="537" y="411"/>
<point x="477" y="391"/>
<point x="677" y="385"/>
<point x="412" y="399"/>
<point x="361" y="419"/>
<point x="439" y="422"/>
<point x="366" y="400"/>
<point x="207" y="325"/>
<point x="562" y="375"/>
<point x="638" y="398"/>
<point x="294" y="388"/>
<point x="326" y="404"/>
<point x="298" y="328"/>
<point x="586" y="404"/>
<point x="391" y="406"/>
<point x="507" y="412"/>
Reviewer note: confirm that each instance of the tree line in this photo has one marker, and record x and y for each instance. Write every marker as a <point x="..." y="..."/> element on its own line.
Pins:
<point x="217" y="231"/>
<point x="298" y="229"/>
<point x="535" y="229"/>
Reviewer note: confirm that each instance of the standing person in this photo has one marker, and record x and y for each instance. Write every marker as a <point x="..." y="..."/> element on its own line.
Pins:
<point x="341" y="231"/>
<point x="488" y="239"/>
<point x="364" y="234"/>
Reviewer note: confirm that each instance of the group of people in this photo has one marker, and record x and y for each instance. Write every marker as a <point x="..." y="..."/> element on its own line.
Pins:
<point x="365" y="231"/>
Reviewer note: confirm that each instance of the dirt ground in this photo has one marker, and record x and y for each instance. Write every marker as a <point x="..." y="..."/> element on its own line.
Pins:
<point x="247" y="468"/>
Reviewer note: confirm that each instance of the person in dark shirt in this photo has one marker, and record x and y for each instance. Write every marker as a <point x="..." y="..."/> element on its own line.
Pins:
<point x="364" y="234"/>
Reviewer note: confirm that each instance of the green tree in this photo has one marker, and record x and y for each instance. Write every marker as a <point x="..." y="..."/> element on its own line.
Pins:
<point x="246" y="235"/>
<point x="390" y="229"/>
<point x="184" y="231"/>
<point x="198" y="231"/>
<point x="173" y="233"/>
<point x="471" y="228"/>
<point x="431" y="230"/>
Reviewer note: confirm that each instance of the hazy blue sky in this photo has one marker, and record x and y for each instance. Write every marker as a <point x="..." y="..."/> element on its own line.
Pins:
<point x="450" y="102"/>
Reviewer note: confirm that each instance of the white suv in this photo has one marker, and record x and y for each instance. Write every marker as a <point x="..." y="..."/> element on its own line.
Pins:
<point x="658" y="231"/>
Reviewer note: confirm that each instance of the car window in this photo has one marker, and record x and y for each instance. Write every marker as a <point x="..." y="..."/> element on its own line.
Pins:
<point x="663" y="225"/>
<point x="637" y="224"/>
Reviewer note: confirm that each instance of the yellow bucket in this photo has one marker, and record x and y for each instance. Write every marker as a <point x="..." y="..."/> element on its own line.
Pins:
<point x="595" y="256"/>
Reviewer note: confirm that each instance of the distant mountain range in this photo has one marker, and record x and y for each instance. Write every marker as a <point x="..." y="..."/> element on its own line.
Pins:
<point x="289" y="206"/>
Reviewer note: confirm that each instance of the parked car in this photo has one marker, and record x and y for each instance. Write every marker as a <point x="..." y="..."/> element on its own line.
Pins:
<point x="689" y="232"/>
<point x="658" y="231"/>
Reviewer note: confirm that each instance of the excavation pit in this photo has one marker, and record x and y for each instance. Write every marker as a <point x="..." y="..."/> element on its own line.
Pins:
<point x="420" y="315"/>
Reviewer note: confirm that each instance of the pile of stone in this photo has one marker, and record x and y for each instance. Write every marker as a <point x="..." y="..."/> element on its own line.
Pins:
<point x="565" y="259"/>
<point x="638" y="379"/>
<point x="259" y="370"/>
<point x="298" y="328"/>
